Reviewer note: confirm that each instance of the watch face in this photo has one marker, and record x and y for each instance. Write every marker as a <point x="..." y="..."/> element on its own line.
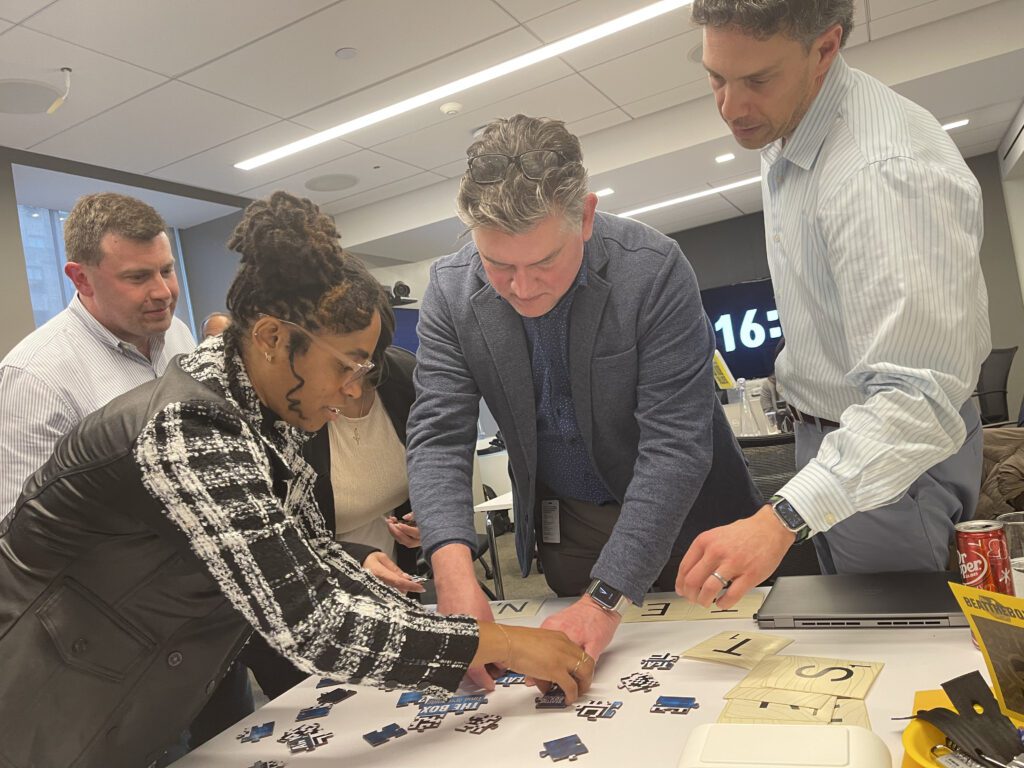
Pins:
<point x="605" y="594"/>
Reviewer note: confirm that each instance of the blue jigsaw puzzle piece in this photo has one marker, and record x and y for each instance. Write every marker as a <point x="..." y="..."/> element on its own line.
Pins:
<point x="674" y="705"/>
<point x="598" y="710"/>
<point x="511" y="678"/>
<point x="384" y="735"/>
<point x="256" y="732"/>
<point x="409" y="697"/>
<point x="312" y="713"/>
<point x="565" y="748"/>
<point x="326" y="682"/>
<point x="553" y="699"/>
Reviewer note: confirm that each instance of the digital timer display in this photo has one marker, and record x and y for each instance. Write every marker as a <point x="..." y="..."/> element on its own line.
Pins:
<point x="746" y="323"/>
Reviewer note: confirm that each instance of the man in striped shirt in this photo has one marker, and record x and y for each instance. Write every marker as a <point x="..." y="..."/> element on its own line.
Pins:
<point x="873" y="224"/>
<point x="117" y="333"/>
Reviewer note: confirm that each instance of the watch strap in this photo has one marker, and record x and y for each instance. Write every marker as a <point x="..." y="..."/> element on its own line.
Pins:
<point x="791" y="519"/>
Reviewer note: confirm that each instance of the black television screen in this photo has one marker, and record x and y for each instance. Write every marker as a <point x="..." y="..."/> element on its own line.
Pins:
<point x="746" y="324"/>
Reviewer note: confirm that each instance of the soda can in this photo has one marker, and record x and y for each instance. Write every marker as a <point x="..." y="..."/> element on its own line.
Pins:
<point x="983" y="556"/>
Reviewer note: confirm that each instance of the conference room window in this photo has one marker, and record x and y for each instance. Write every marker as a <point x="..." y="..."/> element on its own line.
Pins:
<point x="42" y="239"/>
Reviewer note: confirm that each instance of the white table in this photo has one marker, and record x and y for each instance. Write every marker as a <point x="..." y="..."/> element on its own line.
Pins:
<point x="497" y="504"/>
<point x="915" y="659"/>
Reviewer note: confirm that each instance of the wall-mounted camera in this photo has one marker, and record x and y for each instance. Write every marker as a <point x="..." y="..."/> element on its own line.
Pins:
<point x="398" y="294"/>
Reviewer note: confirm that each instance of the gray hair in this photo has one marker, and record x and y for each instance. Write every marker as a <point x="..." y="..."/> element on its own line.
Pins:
<point x="802" y="20"/>
<point x="517" y="204"/>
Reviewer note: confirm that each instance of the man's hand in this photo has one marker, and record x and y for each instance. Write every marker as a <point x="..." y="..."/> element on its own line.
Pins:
<point x="385" y="569"/>
<point x="745" y="552"/>
<point x="587" y="623"/>
<point x="459" y="592"/>
<point x="403" y="531"/>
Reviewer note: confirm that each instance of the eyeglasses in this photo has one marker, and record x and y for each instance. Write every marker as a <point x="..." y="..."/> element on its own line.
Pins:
<point x="357" y="369"/>
<point x="490" y="168"/>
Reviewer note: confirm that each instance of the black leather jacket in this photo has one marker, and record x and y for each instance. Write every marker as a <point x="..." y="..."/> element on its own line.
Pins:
<point x="103" y="666"/>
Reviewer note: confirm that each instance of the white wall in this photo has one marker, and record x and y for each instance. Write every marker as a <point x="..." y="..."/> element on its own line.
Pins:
<point x="416" y="275"/>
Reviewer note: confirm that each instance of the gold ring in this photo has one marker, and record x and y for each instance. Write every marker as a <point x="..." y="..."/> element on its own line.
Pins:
<point x="726" y="583"/>
<point x="579" y="663"/>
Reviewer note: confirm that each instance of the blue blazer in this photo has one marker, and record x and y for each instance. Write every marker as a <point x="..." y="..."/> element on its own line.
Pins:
<point x="640" y="352"/>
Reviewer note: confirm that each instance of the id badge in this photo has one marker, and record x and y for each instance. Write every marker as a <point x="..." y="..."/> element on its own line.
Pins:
<point x="549" y="530"/>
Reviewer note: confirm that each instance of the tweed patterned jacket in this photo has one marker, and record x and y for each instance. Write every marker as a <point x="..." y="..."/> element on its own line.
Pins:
<point x="266" y="545"/>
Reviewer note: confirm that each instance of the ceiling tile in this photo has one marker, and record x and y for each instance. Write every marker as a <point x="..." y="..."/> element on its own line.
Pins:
<point x="677" y="218"/>
<point x="568" y="99"/>
<point x="529" y="9"/>
<point x="597" y="122"/>
<point x="977" y="134"/>
<point x="880" y="8"/>
<point x="166" y="124"/>
<point x="979" y="149"/>
<point x="5" y="25"/>
<point x="654" y="69"/>
<point x="589" y="13"/>
<point x="918" y="14"/>
<point x="696" y="90"/>
<point x="383" y="192"/>
<point x="746" y="199"/>
<point x="19" y="10"/>
<point x="453" y="169"/>
<point x="214" y="168"/>
<point x="295" y="70"/>
<point x="167" y="37"/>
<point x="505" y="46"/>
<point x="371" y="169"/>
<point x="97" y="83"/>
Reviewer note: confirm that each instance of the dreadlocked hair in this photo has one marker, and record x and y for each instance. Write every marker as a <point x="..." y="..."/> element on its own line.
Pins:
<point x="294" y="268"/>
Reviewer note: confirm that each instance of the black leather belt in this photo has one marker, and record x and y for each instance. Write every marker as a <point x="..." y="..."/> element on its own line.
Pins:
<point x="806" y="418"/>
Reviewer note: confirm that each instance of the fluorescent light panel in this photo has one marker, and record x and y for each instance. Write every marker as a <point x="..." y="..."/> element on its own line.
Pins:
<point x="605" y="192"/>
<point x="465" y="83"/>
<point x="955" y="124"/>
<point x="725" y="158"/>
<point x="688" y="198"/>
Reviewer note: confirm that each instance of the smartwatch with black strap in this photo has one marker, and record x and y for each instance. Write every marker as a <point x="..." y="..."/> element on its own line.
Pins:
<point x="791" y="519"/>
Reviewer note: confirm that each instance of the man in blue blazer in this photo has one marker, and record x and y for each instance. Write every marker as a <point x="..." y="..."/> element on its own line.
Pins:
<point x="585" y="335"/>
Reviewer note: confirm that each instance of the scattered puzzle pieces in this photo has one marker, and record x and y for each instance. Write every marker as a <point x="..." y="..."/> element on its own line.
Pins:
<point x="659" y="661"/>
<point x="456" y="705"/>
<point x="384" y="735"/>
<point x="674" y="705"/>
<point x="305" y="738"/>
<point x="254" y="733"/>
<point x="595" y="710"/>
<point x="638" y="681"/>
<point x="565" y="748"/>
<point x="482" y="723"/>
<point x="326" y="682"/>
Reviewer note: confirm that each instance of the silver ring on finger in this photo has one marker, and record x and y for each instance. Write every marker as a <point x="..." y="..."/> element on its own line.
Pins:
<point x="726" y="583"/>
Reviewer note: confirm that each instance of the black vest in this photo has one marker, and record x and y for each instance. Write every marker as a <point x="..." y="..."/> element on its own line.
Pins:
<point x="112" y="632"/>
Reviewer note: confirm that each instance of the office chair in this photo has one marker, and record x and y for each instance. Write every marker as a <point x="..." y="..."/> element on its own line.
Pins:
<point x="771" y="460"/>
<point x="991" y="389"/>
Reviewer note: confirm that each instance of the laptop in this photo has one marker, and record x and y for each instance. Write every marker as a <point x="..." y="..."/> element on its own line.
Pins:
<point x="862" y="600"/>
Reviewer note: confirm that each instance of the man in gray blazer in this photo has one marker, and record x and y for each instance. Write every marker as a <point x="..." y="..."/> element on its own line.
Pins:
<point x="585" y="335"/>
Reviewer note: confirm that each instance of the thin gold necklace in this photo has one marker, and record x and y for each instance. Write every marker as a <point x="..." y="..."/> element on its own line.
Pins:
<point x="355" y="427"/>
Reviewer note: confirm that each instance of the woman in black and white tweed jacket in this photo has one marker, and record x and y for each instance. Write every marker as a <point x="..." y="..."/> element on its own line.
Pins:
<point x="179" y="517"/>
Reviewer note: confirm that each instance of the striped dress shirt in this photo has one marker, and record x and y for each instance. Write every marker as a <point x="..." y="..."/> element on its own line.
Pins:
<point x="60" y="373"/>
<point x="873" y="224"/>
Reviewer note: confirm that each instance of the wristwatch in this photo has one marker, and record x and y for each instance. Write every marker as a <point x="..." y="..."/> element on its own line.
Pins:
<point x="790" y="518"/>
<point x="607" y="596"/>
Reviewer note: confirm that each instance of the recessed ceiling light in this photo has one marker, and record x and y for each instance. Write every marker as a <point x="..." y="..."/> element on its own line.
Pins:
<point x="346" y="53"/>
<point x="26" y="97"/>
<point x="451" y="108"/>
<point x="725" y="158"/>
<point x="331" y="182"/>
<point x="955" y="124"/>
<point x="550" y="51"/>
<point x="694" y="196"/>
<point x="605" y="192"/>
